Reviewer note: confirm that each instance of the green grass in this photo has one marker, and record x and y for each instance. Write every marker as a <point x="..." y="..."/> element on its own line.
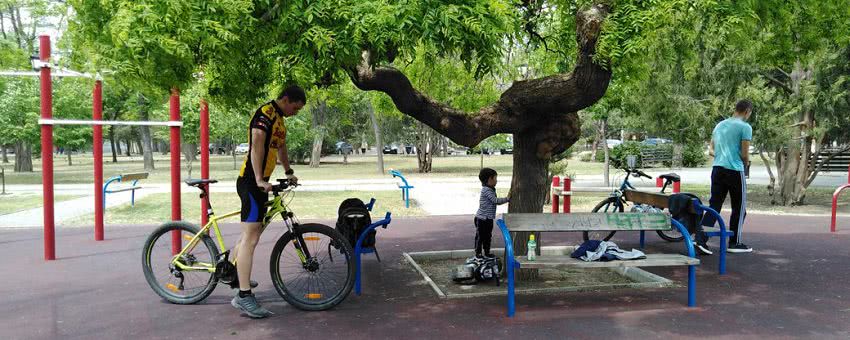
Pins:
<point x="224" y="168"/>
<point x="156" y="208"/>
<point x="13" y="203"/>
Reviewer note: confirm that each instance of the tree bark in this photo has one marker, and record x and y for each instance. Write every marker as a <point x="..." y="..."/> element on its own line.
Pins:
<point x="318" y="112"/>
<point x="424" y="148"/>
<point x="145" y="132"/>
<point x="771" y="187"/>
<point x="23" y="157"/>
<point x="5" y="155"/>
<point x="607" y="170"/>
<point x="127" y="146"/>
<point x="68" y="152"/>
<point x="113" y="145"/>
<point x="379" y="143"/>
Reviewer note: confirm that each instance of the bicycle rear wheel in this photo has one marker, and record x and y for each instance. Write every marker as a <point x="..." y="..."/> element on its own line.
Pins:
<point x="323" y="279"/>
<point x="609" y="205"/>
<point x="180" y="286"/>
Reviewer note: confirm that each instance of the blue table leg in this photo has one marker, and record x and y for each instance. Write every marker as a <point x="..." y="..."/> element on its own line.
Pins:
<point x="692" y="286"/>
<point x="642" y="239"/>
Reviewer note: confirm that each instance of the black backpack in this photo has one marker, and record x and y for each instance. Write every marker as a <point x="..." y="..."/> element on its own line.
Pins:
<point x="679" y="205"/>
<point x="353" y="217"/>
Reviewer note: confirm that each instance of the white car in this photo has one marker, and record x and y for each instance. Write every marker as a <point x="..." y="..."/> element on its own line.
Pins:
<point x="613" y="142"/>
<point x="241" y="148"/>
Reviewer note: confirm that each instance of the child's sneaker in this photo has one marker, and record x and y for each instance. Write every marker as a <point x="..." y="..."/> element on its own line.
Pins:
<point x="490" y="256"/>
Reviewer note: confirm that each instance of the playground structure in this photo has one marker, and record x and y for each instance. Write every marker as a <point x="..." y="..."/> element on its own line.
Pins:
<point x="47" y="122"/>
<point x="835" y="195"/>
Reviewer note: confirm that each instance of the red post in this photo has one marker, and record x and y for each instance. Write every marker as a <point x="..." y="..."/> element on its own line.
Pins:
<point x="205" y="156"/>
<point x="677" y="187"/>
<point x="47" y="148"/>
<point x="174" y="108"/>
<point x="556" y="182"/>
<point x="97" y="149"/>
<point x="835" y="205"/>
<point x="567" y="194"/>
<point x="659" y="182"/>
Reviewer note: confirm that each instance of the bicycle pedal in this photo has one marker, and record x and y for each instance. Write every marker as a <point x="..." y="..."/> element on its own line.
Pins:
<point x="172" y="287"/>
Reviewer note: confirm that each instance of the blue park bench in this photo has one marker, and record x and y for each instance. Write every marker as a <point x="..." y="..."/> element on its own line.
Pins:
<point x="577" y="222"/>
<point x="135" y="177"/>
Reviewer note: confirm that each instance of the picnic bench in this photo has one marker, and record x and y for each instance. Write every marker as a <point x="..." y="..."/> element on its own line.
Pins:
<point x="576" y="222"/>
<point x="404" y="186"/>
<point x="662" y="201"/>
<point x="135" y="177"/>
<point x="654" y="155"/>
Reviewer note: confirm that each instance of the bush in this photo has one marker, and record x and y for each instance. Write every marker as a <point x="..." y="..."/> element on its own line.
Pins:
<point x="618" y="154"/>
<point x="694" y="155"/>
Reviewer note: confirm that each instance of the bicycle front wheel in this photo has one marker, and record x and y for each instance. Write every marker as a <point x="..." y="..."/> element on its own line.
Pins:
<point x="317" y="276"/>
<point x="187" y="285"/>
<point x="609" y="205"/>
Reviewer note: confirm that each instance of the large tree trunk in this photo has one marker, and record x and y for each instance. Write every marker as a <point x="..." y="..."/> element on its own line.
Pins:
<point x="424" y="148"/>
<point x="23" y="157"/>
<point x="379" y="143"/>
<point x="796" y="167"/>
<point x="145" y="132"/>
<point x="541" y="113"/>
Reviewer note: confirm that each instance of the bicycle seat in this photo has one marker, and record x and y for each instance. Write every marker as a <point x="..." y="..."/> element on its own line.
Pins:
<point x="198" y="182"/>
<point x="671" y="177"/>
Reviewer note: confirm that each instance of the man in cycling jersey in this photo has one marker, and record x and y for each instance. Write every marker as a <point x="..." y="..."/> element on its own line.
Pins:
<point x="266" y="144"/>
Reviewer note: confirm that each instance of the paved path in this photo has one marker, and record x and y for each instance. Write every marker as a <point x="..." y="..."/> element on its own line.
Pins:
<point x="794" y="286"/>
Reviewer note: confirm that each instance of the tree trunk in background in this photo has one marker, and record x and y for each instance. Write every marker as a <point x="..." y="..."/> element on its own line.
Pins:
<point x="379" y="143"/>
<point x="795" y="166"/>
<point x="319" y="113"/>
<point x="112" y="144"/>
<point x="145" y="132"/>
<point x="424" y="147"/>
<point x="5" y="156"/>
<point x="594" y="148"/>
<point x="68" y="152"/>
<point x="23" y="157"/>
<point x="771" y="188"/>
<point x="189" y="150"/>
<point x="128" y="146"/>
<point x="163" y="147"/>
<point x="606" y="172"/>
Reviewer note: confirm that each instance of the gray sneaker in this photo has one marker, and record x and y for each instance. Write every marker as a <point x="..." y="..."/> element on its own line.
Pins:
<point x="250" y="306"/>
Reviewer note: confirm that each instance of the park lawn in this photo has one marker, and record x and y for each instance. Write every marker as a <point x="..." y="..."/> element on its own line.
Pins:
<point x="156" y="208"/>
<point x="224" y="168"/>
<point x="12" y="203"/>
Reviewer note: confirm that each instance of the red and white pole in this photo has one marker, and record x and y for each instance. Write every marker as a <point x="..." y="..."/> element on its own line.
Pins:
<point x="97" y="149"/>
<point x="174" y="108"/>
<point x="567" y="194"/>
<point x="47" y="148"/>
<point x="205" y="156"/>
<point x="556" y="182"/>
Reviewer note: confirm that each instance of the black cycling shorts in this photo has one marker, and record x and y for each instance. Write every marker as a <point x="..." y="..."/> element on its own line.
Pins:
<point x="253" y="200"/>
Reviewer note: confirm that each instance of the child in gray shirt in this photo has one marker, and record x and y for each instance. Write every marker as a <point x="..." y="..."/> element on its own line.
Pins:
<point x="487" y="203"/>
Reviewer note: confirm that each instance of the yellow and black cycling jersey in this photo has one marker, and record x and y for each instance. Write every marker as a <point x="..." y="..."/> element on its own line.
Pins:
<point x="268" y="118"/>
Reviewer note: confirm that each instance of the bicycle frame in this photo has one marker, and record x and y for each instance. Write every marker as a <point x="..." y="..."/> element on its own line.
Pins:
<point x="276" y="206"/>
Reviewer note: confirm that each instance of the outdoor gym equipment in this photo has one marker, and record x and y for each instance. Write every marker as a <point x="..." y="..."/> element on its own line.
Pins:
<point x="405" y="188"/>
<point x="835" y="201"/>
<point x="47" y="122"/>
<point x="123" y="178"/>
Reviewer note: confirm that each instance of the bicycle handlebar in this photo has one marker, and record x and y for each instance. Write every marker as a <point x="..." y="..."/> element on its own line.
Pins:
<point x="637" y="172"/>
<point x="283" y="184"/>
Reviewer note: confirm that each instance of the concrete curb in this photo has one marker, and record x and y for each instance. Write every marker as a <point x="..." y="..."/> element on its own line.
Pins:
<point x="644" y="278"/>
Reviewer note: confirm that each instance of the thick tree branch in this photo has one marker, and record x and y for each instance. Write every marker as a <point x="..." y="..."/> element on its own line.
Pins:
<point x="779" y="83"/>
<point x="545" y="105"/>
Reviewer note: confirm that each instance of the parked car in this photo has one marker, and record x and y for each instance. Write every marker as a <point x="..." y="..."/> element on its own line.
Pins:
<point x="344" y="148"/>
<point x="612" y="143"/>
<point x="241" y="148"/>
<point x="509" y="151"/>
<point x="656" y="141"/>
<point x="390" y="149"/>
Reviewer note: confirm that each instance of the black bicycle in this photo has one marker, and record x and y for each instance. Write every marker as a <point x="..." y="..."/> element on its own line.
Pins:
<point x="616" y="203"/>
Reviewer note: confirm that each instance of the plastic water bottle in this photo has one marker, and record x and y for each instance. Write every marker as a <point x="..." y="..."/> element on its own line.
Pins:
<point x="532" y="246"/>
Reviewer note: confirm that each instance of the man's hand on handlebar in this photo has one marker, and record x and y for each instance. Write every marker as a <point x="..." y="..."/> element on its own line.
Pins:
<point x="292" y="180"/>
<point x="264" y="186"/>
